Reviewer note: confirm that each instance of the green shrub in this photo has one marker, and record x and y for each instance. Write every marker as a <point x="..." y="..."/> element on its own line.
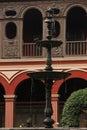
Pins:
<point x="73" y="107"/>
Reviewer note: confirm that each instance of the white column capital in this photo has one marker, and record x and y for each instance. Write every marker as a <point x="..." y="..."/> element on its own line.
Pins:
<point x="9" y="96"/>
<point x="55" y="95"/>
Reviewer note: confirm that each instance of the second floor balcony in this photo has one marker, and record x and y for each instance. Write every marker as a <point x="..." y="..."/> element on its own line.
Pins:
<point x="72" y="34"/>
<point x="18" y="40"/>
<point x="71" y="48"/>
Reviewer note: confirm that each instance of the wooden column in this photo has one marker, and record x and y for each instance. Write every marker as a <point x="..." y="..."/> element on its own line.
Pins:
<point x="9" y="110"/>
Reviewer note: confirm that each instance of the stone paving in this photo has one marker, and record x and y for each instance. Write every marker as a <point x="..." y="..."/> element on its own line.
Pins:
<point x="42" y="128"/>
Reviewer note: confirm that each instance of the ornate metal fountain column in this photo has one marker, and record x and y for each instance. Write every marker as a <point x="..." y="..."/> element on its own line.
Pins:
<point x="48" y="74"/>
<point x="48" y="121"/>
<point x="48" y="108"/>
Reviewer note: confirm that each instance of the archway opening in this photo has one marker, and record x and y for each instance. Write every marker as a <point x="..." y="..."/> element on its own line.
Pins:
<point x="30" y="97"/>
<point x="76" y="24"/>
<point x="32" y="25"/>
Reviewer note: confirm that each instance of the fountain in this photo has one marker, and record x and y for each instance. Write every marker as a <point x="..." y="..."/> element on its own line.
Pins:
<point x="48" y="74"/>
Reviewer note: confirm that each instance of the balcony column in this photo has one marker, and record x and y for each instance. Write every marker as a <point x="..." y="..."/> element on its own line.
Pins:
<point x="44" y="36"/>
<point x="55" y="106"/>
<point x="63" y="34"/>
<point x="9" y="110"/>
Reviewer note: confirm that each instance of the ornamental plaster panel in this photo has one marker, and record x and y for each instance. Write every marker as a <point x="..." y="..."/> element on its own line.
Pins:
<point x="10" y="49"/>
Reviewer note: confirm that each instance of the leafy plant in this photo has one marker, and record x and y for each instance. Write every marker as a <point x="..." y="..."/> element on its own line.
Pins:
<point x="73" y="107"/>
<point x="29" y="120"/>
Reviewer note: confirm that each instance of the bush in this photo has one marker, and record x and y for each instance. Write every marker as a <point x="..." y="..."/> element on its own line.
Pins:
<point x="73" y="107"/>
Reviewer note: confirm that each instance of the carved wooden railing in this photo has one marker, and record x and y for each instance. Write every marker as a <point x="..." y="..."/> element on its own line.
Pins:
<point x="32" y="50"/>
<point x="76" y="48"/>
<point x="72" y="48"/>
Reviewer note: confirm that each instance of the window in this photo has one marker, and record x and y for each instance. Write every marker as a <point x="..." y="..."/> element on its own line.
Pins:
<point x="11" y="30"/>
<point x="10" y="13"/>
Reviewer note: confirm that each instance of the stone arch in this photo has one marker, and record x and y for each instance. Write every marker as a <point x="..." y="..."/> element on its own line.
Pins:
<point x="3" y="86"/>
<point x="72" y="6"/>
<point x="9" y="87"/>
<point x="29" y="92"/>
<point x="23" y="10"/>
<point x="4" y="83"/>
<point x="76" y="24"/>
<point x="33" y="86"/>
<point x="74" y="74"/>
<point x="32" y="26"/>
<point x="16" y="81"/>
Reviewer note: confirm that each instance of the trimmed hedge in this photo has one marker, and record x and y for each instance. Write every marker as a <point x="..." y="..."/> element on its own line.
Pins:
<point x="73" y="107"/>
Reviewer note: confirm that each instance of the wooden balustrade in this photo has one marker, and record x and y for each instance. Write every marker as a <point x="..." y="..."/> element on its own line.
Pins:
<point x="76" y="48"/>
<point x="32" y="50"/>
<point x="72" y="48"/>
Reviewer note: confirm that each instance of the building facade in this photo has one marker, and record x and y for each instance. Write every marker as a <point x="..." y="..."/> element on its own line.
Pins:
<point x="21" y="23"/>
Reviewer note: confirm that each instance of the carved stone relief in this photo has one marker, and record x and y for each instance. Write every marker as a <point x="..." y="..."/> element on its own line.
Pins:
<point x="57" y="51"/>
<point x="10" y="49"/>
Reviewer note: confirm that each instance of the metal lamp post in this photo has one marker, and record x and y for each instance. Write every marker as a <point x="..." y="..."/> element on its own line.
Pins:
<point x="48" y="74"/>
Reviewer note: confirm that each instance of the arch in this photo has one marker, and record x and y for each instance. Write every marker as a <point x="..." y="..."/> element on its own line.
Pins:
<point x="76" y="24"/>
<point x="29" y="92"/>
<point x="29" y="88"/>
<point x="10" y="87"/>
<point x="16" y="81"/>
<point x="23" y="10"/>
<point x="74" y="74"/>
<point x="32" y="25"/>
<point x="72" y="6"/>
<point x="4" y="83"/>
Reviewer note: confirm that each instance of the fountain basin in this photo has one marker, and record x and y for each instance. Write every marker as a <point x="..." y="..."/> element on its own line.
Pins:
<point x="49" y="43"/>
<point x="51" y="75"/>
